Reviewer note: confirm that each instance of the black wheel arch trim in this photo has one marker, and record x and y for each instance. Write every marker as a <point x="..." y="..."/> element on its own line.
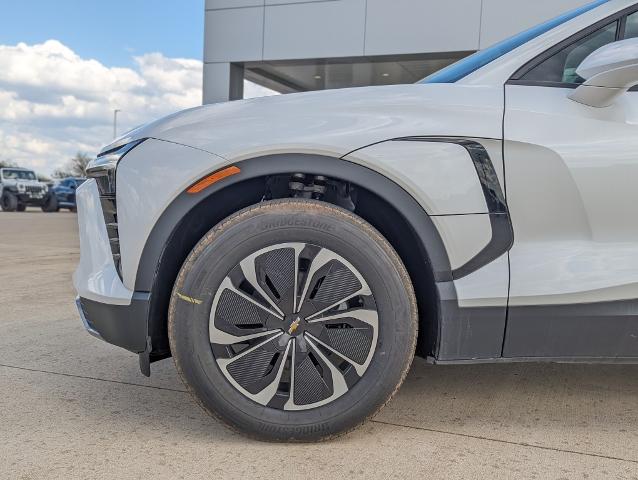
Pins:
<point x="502" y="231"/>
<point x="414" y="214"/>
<point x="154" y="254"/>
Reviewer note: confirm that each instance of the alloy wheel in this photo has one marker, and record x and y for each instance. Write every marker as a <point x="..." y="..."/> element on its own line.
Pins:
<point x="293" y="326"/>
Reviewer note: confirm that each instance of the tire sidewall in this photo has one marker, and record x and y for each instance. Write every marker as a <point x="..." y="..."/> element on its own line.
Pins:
<point x="283" y="222"/>
<point x="50" y="203"/>
<point x="9" y="201"/>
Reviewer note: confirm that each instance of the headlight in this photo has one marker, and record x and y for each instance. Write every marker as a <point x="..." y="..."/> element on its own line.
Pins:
<point x="21" y="187"/>
<point x="104" y="166"/>
<point x="45" y="188"/>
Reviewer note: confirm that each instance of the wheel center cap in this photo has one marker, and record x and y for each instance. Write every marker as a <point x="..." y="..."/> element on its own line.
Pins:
<point x="294" y="325"/>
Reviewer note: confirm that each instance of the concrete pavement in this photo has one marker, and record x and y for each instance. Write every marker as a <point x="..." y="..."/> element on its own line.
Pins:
<point x="74" y="407"/>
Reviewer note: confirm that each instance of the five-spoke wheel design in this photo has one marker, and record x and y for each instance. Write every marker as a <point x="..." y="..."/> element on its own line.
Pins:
<point x="293" y="326"/>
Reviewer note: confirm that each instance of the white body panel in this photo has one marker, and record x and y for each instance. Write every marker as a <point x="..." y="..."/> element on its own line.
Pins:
<point x="147" y="185"/>
<point x="571" y="177"/>
<point x="464" y="236"/>
<point x="154" y="173"/>
<point x="332" y="122"/>
<point x="440" y="176"/>
<point x="95" y="277"/>
<point x="486" y="287"/>
<point x="148" y="180"/>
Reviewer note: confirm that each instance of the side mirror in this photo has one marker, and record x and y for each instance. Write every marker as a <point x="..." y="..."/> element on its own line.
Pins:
<point x="608" y="72"/>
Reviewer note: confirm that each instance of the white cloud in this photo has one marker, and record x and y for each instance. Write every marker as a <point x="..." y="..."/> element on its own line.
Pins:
<point x="54" y="103"/>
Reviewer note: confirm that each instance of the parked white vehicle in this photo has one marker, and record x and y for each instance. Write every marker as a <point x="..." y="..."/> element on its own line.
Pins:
<point x="291" y="253"/>
<point x="20" y="187"/>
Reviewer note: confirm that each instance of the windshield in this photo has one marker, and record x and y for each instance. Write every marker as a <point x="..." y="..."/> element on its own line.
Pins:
<point x="463" y="68"/>
<point x="10" y="174"/>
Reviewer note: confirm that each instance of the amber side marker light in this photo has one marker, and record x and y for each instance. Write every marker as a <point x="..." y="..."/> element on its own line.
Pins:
<point x="209" y="180"/>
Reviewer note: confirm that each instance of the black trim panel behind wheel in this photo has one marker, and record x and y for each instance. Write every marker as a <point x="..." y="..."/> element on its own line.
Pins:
<point x="502" y="230"/>
<point x="581" y="330"/>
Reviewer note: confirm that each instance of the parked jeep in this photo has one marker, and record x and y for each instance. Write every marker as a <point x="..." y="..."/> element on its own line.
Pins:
<point x="19" y="187"/>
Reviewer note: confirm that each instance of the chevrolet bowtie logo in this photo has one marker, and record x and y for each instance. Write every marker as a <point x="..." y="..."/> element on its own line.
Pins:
<point x="294" y="325"/>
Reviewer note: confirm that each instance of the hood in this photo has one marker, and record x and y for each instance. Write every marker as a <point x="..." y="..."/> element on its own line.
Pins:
<point x="332" y="122"/>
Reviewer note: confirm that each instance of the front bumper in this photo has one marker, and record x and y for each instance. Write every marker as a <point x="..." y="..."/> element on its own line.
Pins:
<point x="108" y="309"/>
<point x="85" y="321"/>
<point x="121" y="325"/>
<point x="32" y="198"/>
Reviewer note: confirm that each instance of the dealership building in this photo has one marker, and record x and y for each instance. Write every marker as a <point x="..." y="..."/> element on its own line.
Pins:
<point x="301" y="45"/>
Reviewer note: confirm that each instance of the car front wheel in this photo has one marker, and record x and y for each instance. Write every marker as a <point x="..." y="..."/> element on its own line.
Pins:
<point x="293" y="320"/>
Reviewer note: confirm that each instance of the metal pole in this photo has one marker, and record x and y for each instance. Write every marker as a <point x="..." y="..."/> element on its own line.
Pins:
<point x="115" y="112"/>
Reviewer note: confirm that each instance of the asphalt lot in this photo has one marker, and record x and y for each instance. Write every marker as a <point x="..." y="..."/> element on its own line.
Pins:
<point x="74" y="407"/>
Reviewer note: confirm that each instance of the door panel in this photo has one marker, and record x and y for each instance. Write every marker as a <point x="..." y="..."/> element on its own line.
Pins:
<point x="572" y="185"/>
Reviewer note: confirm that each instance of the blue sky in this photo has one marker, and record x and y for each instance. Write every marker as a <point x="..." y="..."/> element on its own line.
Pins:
<point x="111" y="31"/>
<point x="65" y="65"/>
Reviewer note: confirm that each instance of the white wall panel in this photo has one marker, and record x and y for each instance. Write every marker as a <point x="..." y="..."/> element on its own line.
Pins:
<point x="408" y="26"/>
<point x="234" y="34"/>
<point x="314" y="30"/>
<point x="226" y="81"/>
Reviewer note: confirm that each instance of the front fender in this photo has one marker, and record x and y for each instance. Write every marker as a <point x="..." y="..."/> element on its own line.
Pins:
<point x="148" y="231"/>
<point x="152" y="205"/>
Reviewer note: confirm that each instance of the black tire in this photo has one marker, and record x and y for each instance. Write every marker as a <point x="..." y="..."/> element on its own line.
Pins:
<point x="50" y="204"/>
<point x="8" y="202"/>
<point x="21" y="207"/>
<point x="346" y="240"/>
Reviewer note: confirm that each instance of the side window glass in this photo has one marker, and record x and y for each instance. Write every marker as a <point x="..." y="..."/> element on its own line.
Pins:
<point x="561" y="67"/>
<point x="631" y="29"/>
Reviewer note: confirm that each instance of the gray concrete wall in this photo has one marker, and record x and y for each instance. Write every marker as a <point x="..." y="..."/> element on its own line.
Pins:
<point x="267" y="30"/>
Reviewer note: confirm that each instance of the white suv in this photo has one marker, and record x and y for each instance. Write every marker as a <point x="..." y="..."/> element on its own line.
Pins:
<point x="20" y="187"/>
<point x="292" y="253"/>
